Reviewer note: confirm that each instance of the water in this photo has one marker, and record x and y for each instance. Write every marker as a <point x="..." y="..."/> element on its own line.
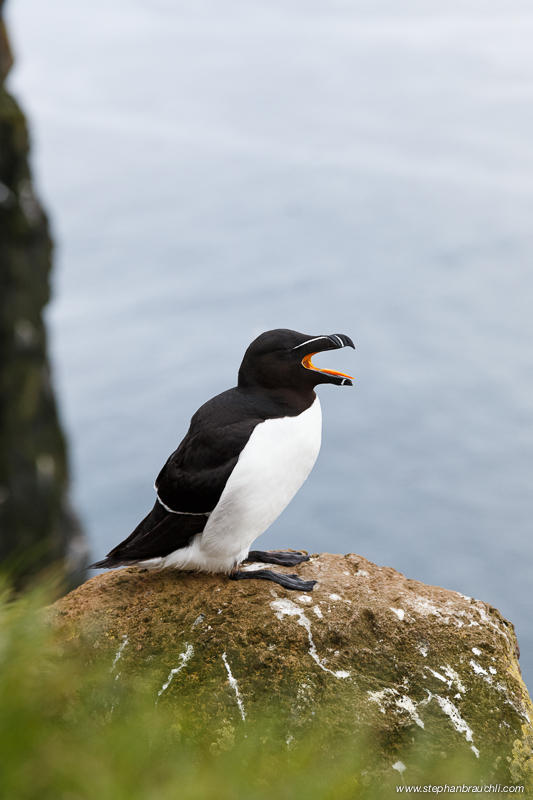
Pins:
<point x="215" y="169"/>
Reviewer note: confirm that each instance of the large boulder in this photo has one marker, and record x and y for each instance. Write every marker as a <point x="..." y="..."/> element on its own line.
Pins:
<point x="367" y="650"/>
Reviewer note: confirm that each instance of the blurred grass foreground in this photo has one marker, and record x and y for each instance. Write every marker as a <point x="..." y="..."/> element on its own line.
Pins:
<point x="74" y="728"/>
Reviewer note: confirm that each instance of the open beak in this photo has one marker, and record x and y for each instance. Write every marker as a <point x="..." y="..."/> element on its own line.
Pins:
<point x="307" y="363"/>
<point x="335" y="341"/>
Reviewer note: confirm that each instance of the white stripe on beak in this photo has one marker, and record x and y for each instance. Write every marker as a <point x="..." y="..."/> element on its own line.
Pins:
<point x="316" y="339"/>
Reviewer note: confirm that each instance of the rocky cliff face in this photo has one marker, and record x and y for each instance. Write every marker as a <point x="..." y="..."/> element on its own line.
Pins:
<point x="37" y="526"/>
<point x="367" y="651"/>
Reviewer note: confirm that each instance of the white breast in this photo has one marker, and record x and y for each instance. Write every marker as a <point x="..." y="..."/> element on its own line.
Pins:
<point x="277" y="459"/>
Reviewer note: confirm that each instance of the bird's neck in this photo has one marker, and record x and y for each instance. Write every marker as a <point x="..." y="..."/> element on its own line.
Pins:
<point x="282" y="402"/>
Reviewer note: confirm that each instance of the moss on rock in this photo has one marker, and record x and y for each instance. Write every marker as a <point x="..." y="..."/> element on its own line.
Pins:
<point x="367" y="652"/>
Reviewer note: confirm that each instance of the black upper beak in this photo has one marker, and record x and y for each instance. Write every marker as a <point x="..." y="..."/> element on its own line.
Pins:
<point x="340" y="340"/>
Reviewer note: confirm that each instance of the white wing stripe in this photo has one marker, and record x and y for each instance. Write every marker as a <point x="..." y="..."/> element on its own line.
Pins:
<point x="187" y="513"/>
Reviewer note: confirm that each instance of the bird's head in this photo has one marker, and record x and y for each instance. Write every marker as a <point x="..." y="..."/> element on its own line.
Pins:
<point x="281" y="359"/>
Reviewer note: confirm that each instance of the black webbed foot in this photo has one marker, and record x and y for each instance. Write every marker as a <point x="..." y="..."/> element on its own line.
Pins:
<point x="287" y="581"/>
<point x="283" y="557"/>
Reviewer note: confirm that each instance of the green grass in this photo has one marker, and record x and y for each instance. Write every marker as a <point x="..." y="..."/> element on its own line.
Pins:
<point x="69" y="731"/>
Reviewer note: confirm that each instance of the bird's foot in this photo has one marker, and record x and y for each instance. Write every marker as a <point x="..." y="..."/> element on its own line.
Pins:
<point x="287" y="581"/>
<point x="284" y="558"/>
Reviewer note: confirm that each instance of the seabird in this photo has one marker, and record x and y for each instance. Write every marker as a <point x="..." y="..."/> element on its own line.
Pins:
<point x="245" y="455"/>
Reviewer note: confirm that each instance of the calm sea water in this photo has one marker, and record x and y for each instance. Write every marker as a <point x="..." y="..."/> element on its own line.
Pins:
<point x="216" y="169"/>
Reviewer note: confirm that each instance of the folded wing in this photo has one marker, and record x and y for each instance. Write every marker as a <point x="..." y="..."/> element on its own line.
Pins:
<point x="190" y="484"/>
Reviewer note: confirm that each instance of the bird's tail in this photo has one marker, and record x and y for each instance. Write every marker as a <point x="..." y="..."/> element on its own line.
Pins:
<point x="158" y="535"/>
<point x="110" y="563"/>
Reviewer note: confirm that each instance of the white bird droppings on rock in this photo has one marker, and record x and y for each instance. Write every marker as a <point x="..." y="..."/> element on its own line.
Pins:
<point x="379" y="697"/>
<point x="457" y="721"/>
<point x="410" y="706"/>
<point x="438" y="675"/>
<point x="318" y="612"/>
<point x="424" y="606"/>
<point x="282" y="607"/>
<point x="119" y="652"/>
<point x="400" y="613"/>
<point x="476" y="651"/>
<point x="185" y="656"/>
<point x="403" y="702"/>
<point x="234" y="685"/>
<point x="453" y="678"/>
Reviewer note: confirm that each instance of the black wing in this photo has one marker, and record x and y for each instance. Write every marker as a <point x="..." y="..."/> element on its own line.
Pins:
<point x="158" y="535"/>
<point x="195" y="475"/>
<point x="192" y="480"/>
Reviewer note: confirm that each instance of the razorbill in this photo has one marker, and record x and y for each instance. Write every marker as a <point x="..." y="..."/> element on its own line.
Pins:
<point x="245" y="455"/>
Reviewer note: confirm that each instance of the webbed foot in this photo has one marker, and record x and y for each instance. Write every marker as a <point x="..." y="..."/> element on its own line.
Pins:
<point x="282" y="557"/>
<point x="287" y="581"/>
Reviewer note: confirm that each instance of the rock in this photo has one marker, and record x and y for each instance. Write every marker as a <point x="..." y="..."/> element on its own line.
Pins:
<point x="367" y="650"/>
<point x="37" y="525"/>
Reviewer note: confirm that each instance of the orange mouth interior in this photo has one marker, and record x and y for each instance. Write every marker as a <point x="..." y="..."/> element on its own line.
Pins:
<point x="306" y="361"/>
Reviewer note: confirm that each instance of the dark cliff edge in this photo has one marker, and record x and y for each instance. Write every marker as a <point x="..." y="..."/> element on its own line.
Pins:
<point x="37" y="524"/>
